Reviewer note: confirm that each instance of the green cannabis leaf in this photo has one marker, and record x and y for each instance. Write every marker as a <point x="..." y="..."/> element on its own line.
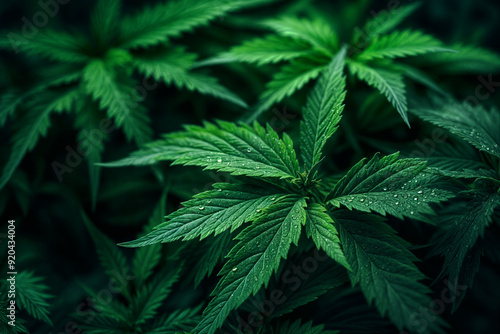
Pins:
<point x="307" y="45"/>
<point x="101" y="66"/>
<point x="464" y="224"/>
<point x="143" y="293"/>
<point x="274" y="199"/>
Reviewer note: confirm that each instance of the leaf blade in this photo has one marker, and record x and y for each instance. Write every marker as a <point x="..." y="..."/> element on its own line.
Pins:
<point x="255" y="257"/>
<point x="323" y="111"/>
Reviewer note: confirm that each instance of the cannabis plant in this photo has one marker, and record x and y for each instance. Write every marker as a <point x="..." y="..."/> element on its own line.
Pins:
<point x="93" y="75"/>
<point x="460" y="238"/>
<point x="30" y="295"/>
<point x="274" y="197"/>
<point x="137" y="296"/>
<point x="307" y="45"/>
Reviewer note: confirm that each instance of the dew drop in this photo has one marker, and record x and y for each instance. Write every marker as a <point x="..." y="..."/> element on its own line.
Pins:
<point x="259" y="210"/>
<point x="411" y="212"/>
<point x="219" y="189"/>
<point x="201" y="208"/>
<point x="395" y="195"/>
<point x="419" y="192"/>
<point x="397" y="203"/>
<point x="362" y="200"/>
<point x="416" y="198"/>
<point x="219" y="160"/>
<point x="385" y="189"/>
<point x="235" y="268"/>
<point x="249" y="150"/>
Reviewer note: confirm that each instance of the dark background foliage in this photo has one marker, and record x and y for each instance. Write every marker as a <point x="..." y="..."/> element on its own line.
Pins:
<point x="51" y="236"/>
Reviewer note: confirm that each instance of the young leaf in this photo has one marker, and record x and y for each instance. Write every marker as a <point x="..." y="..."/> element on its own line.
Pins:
<point x="388" y="185"/>
<point x="320" y="227"/>
<point x="389" y="83"/>
<point x="239" y="150"/>
<point x="323" y="111"/>
<point x="253" y="260"/>
<point x="383" y="266"/>
<point x="214" y="211"/>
